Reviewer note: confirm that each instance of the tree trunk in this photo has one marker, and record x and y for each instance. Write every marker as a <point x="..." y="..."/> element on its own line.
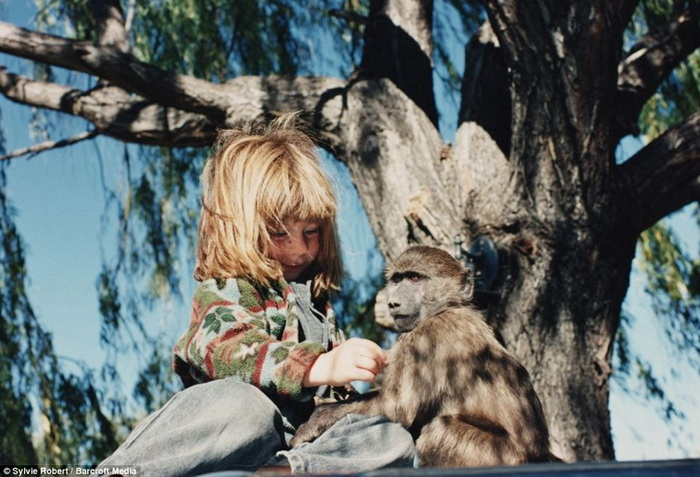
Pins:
<point x="548" y="206"/>
<point x="552" y="205"/>
<point x="560" y="285"/>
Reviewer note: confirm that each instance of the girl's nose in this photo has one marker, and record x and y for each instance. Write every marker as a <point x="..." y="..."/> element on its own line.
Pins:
<point x="300" y="244"/>
<point x="299" y="249"/>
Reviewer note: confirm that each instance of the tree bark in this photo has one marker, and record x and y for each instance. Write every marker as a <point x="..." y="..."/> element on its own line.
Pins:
<point x="485" y="91"/>
<point x="398" y="46"/>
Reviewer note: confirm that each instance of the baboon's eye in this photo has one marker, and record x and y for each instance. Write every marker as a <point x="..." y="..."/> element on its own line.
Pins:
<point x="415" y="276"/>
<point x="398" y="277"/>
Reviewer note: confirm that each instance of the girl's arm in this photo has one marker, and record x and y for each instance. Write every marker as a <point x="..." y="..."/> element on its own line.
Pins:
<point x="354" y="360"/>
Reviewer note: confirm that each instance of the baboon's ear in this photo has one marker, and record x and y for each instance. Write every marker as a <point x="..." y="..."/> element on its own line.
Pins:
<point x="467" y="282"/>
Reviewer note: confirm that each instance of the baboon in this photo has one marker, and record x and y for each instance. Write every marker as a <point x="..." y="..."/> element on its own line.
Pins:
<point x="467" y="401"/>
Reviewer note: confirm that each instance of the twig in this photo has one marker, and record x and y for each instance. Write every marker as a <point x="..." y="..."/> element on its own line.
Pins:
<point x="130" y="12"/>
<point x="350" y="17"/>
<point x="36" y="149"/>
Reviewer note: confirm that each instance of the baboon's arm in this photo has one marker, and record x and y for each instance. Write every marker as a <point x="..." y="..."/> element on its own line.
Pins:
<point x="325" y="415"/>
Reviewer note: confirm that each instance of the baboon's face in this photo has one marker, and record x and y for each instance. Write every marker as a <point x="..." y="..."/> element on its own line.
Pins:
<point x="406" y="291"/>
<point x="422" y="282"/>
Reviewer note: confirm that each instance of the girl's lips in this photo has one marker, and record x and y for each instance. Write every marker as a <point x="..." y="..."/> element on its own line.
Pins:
<point x="292" y="267"/>
<point x="293" y="271"/>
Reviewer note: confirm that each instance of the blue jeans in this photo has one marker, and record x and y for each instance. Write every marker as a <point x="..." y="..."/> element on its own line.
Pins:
<point x="227" y="425"/>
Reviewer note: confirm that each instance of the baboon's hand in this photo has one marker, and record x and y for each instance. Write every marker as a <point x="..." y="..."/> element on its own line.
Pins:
<point x="323" y="417"/>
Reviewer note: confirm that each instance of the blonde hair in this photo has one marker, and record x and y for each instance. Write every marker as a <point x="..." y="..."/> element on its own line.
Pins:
<point x="257" y="176"/>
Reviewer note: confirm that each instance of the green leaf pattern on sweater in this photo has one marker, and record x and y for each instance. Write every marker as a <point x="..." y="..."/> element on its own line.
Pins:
<point x="249" y="332"/>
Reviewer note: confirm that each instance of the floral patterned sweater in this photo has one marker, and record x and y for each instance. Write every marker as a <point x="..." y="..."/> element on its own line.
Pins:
<point x="252" y="333"/>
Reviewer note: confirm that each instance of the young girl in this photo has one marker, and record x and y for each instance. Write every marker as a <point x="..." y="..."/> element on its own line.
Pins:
<point x="262" y="341"/>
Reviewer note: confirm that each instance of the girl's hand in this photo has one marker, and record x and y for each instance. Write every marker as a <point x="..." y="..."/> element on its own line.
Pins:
<point x="355" y="360"/>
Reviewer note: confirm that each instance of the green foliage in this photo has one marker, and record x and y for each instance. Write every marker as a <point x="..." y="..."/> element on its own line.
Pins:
<point x="673" y="283"/>
<point x="218" y="39"/>
<point x="672" y="274"/>
<point x="71" y="426"/>
<point x="631" y="372"/>
<point x="69" y="18"/>
<point x="677" y="97"/>
<point x="156" y="383"/>
<point x="208" y="39"/>
<point x="16" y="418"/>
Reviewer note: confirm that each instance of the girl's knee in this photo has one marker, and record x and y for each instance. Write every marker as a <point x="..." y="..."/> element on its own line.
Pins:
<point x="238" y="403"/>
<point x="246" y="424"/>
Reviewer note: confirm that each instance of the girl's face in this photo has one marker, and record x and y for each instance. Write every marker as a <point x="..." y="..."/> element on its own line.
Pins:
<point x="295" y="246"/>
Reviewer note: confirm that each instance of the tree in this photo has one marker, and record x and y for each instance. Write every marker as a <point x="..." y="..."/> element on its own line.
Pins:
<point x="549" y="91"/>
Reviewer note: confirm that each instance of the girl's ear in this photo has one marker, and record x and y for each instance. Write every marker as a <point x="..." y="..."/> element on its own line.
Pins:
<point x="467" y="282"/>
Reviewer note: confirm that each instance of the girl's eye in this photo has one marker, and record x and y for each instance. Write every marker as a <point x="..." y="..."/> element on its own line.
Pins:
<point x="278" y="234"/>
<point x="311" y="232"/>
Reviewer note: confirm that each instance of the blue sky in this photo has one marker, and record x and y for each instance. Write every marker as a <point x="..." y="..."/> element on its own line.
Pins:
<point x="61" y="204"/>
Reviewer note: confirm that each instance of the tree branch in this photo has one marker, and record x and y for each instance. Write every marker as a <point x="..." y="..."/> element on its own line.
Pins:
<point x="111" y="29"/>
<point x="662" y="177"/>
<point x="122" y="69"/>
<point x="485" y="96"/>
<point x="130" y="13"/>
<point x="35" y="149"/>
<point x="216" y="105"/>
<point x="620" y="12"/>
<point x="650" y="62"/>
<point x="349" y="17"/>
<point x="118" y="114"/>
<point x="113" y="112"/>
<point x="399" y="46"/>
